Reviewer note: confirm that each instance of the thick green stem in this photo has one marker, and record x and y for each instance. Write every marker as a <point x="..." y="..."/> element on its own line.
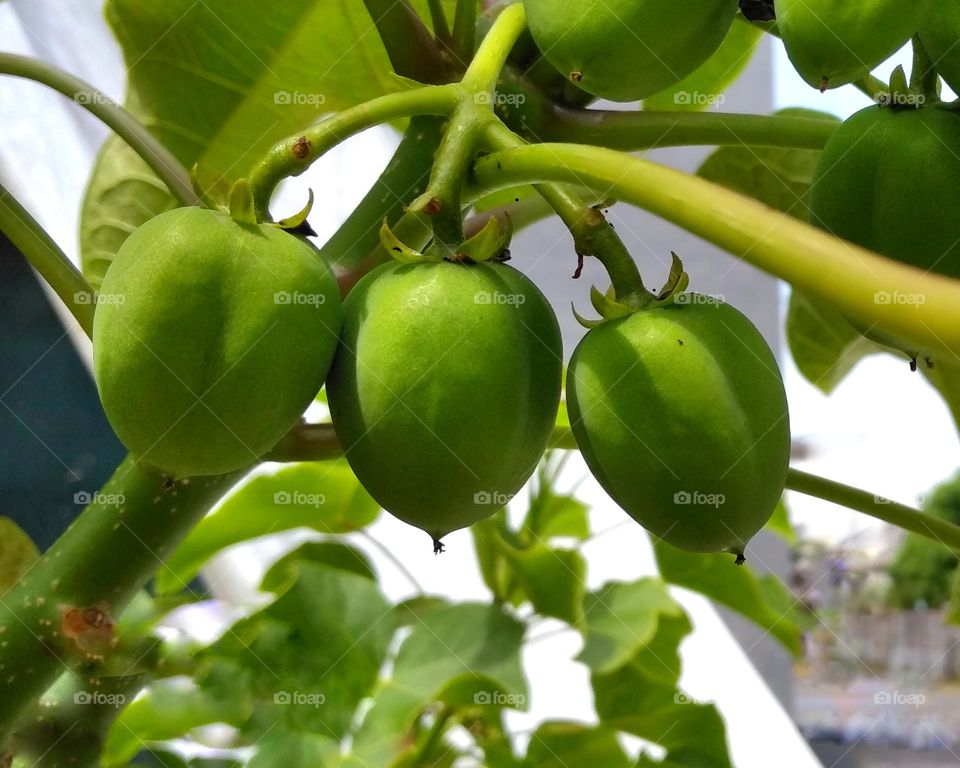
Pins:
<point x="637" y="130"/>
<point x="592" y="233"/>
<point x="484" y="70"/>
<point x="413" y="51"/>
<point x="855" y="280"/>
<point x="294" y="155"/>
<point x="46" y="257"/>
<point x="61" y="612"/>
<point x="905" y="517"/>
<point x="160" y="159"/>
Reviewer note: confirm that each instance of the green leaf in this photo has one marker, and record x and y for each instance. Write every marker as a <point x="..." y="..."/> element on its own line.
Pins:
<point x="281" y="749"/>
<point x="779" y="524"/>
<point x="946" y="378"/>
<point x="736" y="586"/>
<point x="465" y="655"/>
<point x="824" y="345"/>
<point x="779" y="177"/>
<point x="552" y="579"/>
<point x="562" y="744"/>
<point x="315" y="653"/>
<point x="620" y="619"/>
<point x="324" y="496"/>
<point x="219" y="82"/>
<point x="704" y="86"/>
<point x="329" y="553"/>
<point x="17" y="553"/>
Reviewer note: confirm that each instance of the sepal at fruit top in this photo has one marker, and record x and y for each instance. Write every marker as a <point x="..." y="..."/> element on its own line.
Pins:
<point x="491" y="243"/>
<point x="298" y="224"/>
<point x="241" y="203"/>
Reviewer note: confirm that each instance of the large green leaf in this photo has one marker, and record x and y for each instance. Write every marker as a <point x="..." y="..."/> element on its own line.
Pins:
<point x="561" y="745"/>
<point x="285" y="749"/>
<point x="764" y="600"/>
<point x="315" y="653"/>
<point x="466" y="655"/>
<point x="219" y="82"/>
<point x="704" y="87"/>
<point x="620" y="619"/>
<point x="324" y="496"/>
<point x="552" y="579"/>
<point x="17" y="553"/>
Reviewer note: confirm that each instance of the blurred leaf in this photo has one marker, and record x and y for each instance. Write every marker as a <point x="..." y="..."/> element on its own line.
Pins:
<point x="489" y="538"/>
<point x="281" y="749"/>
<point x="824" y="345"/>
<point x="736" y="586"/>
<point x="779" y="177"/>
<point x="315" y="652"/>
<point x="219" y="82"/>
<point x="702" y="88"/>
<point x="413" y="611"/>
<point x="551" y="513"/>
<point x="465" y="655"/>
<point x="620" y="619"/>
<point x="552" y="579"/>
<point x="779" y="524"/>
<point x="329" y="553"/>
<point x="324" y="496"/>
<point x="17" y="553"/>
<point x="561" y="745"/>
<point x="946" y="378"/>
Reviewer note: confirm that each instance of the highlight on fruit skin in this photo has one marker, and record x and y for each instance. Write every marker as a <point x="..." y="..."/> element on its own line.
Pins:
<point x="210" y="339"/>
<point x="445" y="388"/>
<point x="626" y="50"/>
<point x="681" y="415"/>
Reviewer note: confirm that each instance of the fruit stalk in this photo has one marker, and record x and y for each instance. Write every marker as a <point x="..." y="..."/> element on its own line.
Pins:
<point x="847" y="276"/>
<point x="413" y="51"/>
<point x="293" y="155"/>
<point x="632" y="131"/>
<point x="160" y="159"/>
<point x="46" y="257"/>
<point x="63" y="610"/>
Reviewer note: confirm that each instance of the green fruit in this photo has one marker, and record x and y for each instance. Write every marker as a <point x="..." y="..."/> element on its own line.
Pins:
<point x="445" y="388"/>
<point x="210" y="339"/>
<point x="681" y="415"/>
<point x="887" y="180"/>
<point x="835" y="42"/>
<point x="940" y="35"/>
<point x="626" y="50"/>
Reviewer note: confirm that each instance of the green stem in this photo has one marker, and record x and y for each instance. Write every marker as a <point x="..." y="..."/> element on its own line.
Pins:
<point x="307" y="442"/>
<point x="46" y="257"/>
<point x="592" y="233"/>
<point x="90" y="574"/>
<point x="484" y="70"/>
<point x="294" y="155"/>
<point x="637" y="130"/>
<point x="413" y="51"/>
<point x="843" y="274"/>
<point x="465" y="29"/>
<point x="905" y="517"/>
<point x="425" y="756"/>
<point x="160" y="159"/>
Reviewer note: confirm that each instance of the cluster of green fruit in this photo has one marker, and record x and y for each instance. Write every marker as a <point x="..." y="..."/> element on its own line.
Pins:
<point x="444" y="380"/>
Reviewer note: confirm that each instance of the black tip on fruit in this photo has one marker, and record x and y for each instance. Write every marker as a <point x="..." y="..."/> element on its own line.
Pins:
<point x="741" y="559"/>
<point x="438" y="548"/>
<point x="913" y="365"/>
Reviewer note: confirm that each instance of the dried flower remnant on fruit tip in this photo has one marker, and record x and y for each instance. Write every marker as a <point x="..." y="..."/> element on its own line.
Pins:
<point x="438" y="547"/>
<point x="301" y="148"/>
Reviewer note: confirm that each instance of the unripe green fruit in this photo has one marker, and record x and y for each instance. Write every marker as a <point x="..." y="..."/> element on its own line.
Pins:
<point x="626" y="50"/>
<point x="888" y="180"/>
<point x="445" y="388"/>
<point x="940" y="35"/>
<point x="835" y="42"/>
<point x="211" y="338"/>
<point x="681" y="415"/>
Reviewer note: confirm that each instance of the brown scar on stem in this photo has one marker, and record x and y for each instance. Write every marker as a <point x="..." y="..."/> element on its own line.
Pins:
<point x="90" y="627"/>
<point x="433" y="207"/>
<point x="576" y="76"/>
<point x="301" y="148"/>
